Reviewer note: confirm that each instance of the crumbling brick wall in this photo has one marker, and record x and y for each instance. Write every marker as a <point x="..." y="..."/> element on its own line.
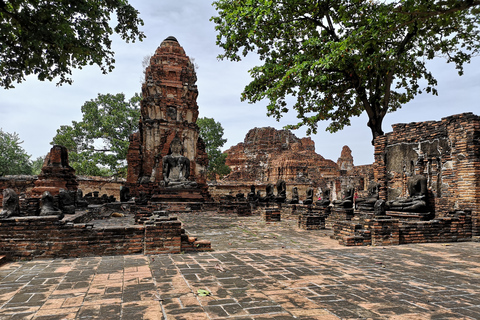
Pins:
<point x="49" y="237"/>
<point x="447" y="152"/>
<point x="105" y="185"/>
<point x="23" y="184"/>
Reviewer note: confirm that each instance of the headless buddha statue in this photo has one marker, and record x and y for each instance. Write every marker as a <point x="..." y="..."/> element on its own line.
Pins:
<point x="417" y="200"/>
<point x="176" y="167"/>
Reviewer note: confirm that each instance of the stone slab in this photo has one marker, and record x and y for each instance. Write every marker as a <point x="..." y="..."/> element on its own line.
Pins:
<point x="267" y="271"/>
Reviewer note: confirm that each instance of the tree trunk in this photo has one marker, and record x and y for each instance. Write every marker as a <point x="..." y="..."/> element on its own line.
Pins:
<point x="375" y="124"/>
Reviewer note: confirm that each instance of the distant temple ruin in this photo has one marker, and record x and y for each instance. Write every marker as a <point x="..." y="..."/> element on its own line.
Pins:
<point x="267" y="155"/>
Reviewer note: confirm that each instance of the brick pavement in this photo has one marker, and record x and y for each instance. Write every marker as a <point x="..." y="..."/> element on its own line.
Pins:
<point x="295" y="275"/>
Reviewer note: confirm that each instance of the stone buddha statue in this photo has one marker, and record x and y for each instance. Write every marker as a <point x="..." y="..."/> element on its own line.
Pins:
<point x="368" y="203"/>
<point x="325" y="201"/>
<point x="10" y="204"/>
<point x="176" y="167"/>
<point x="47" y="206"/>
<point x="270" y="195"/>
<point x="281" y="191"/>
<point x="252" y="196"/>
<point x="295" y="198"/>
<point x="417" y="200"/>
<point x="309" y="198"/>
<point x="347" y="200"/>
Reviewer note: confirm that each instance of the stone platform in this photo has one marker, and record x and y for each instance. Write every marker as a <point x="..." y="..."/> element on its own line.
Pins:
<point x="260" y="270"/>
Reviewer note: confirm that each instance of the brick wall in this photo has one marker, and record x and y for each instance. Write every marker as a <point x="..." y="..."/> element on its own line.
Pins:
<point x="447" y="152"/>
<point x="24" y="184"/>
<point x="49" y="237"/>
<point x="21" y="184"/>
<point x="455" y="226"/>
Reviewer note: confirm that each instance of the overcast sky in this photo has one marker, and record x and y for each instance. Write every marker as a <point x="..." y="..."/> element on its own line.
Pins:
<point x="35" y="110"/>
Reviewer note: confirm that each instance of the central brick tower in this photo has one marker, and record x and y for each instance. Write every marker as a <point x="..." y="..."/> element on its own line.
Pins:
<point x="169" y="113"/>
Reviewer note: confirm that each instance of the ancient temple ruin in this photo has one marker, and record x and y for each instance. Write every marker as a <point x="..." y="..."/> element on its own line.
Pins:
<point x="446" y="153"/>
<point x="56" y="173"/>
<point x="427" y="175"/>
<point x="268" y="155"/>
<point x="166" y="157"/>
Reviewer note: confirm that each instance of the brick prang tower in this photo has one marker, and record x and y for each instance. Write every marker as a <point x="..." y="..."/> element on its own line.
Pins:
<point x="168" y="110"/>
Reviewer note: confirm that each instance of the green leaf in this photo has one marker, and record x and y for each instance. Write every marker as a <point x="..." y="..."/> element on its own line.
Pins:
<point x="203" y="293"/>
<point x="338" y="59"/>
<point x="99" y="143"/>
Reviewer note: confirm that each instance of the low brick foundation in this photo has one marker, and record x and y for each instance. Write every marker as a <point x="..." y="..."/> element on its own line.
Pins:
<point x="383" y="231"/>
<point x="48" y="237"/>
<point x="311" y="221"/>
<point x="270" y="214"/>
<point x="338" y="214"/>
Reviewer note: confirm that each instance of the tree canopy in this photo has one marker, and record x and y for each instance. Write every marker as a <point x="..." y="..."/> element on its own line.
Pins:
<point x="13" y="158"/>
<point x="211" y="133"/>
<point x="340" y="58"/>
<point x="98" y="144"/>
<point x="50" y="38"/>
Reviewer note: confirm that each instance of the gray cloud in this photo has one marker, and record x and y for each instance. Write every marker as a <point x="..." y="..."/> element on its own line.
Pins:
<point x="36" y="109"/>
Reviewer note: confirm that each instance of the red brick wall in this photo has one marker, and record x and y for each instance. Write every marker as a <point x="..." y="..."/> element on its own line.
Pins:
<point x="456" y="226"/>
<point x="48" y="237"/>
<point x="447" y="152"/>
<point x="24" y="184"/>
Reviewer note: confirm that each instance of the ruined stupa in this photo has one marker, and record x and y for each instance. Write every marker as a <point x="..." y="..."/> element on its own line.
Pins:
<point x="166" y="156"/>
<point x="56" y="173"/>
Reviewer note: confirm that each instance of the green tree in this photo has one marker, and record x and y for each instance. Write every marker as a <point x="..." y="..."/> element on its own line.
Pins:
<point x="212" y="134"/>
<point x="50" y="38"/>
<point x="37" y="165"/>
<point x="98" y="144"/>
<point x="338" y="59"/>
<point x="13" y="158"/>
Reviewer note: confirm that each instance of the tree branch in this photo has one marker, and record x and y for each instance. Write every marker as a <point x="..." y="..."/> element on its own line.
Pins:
<point x="428" y="14"/>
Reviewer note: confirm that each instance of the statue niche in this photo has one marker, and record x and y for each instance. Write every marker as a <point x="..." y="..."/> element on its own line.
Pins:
<point x="368" y="203"/>
<point x="176" y="167"/>
<point x="325" y="200"/>
<point x="347" y="200"/>
<point x="417" y="200"/>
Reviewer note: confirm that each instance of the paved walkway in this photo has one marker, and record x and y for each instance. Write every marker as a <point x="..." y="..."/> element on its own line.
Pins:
<point x="258" y="271"/>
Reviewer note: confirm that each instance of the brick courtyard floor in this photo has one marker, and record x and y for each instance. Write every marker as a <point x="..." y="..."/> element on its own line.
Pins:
<point x="258" y="270"/>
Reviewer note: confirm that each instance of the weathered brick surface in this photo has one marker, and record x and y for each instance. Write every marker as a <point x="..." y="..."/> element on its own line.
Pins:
<point x="271" y="214"/>
<point x="56" y="173"/>
<point x="168" y="110"/>
<point x="447" y="152"/>
<point x="49" y="237"/>
<point x="24" y="184"/>
<point x="268" y="154"/>
<point x="21" y="184"/>
<point x="383" y="231"/>
<point x="308" y="221"/>
<point x="339" y="214"/>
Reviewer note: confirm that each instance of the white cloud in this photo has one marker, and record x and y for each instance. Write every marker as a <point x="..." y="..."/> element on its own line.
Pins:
<point x="36" y="109"/>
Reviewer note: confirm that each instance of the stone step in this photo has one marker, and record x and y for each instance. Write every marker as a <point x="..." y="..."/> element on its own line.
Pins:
<point x="3" y="259"/>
